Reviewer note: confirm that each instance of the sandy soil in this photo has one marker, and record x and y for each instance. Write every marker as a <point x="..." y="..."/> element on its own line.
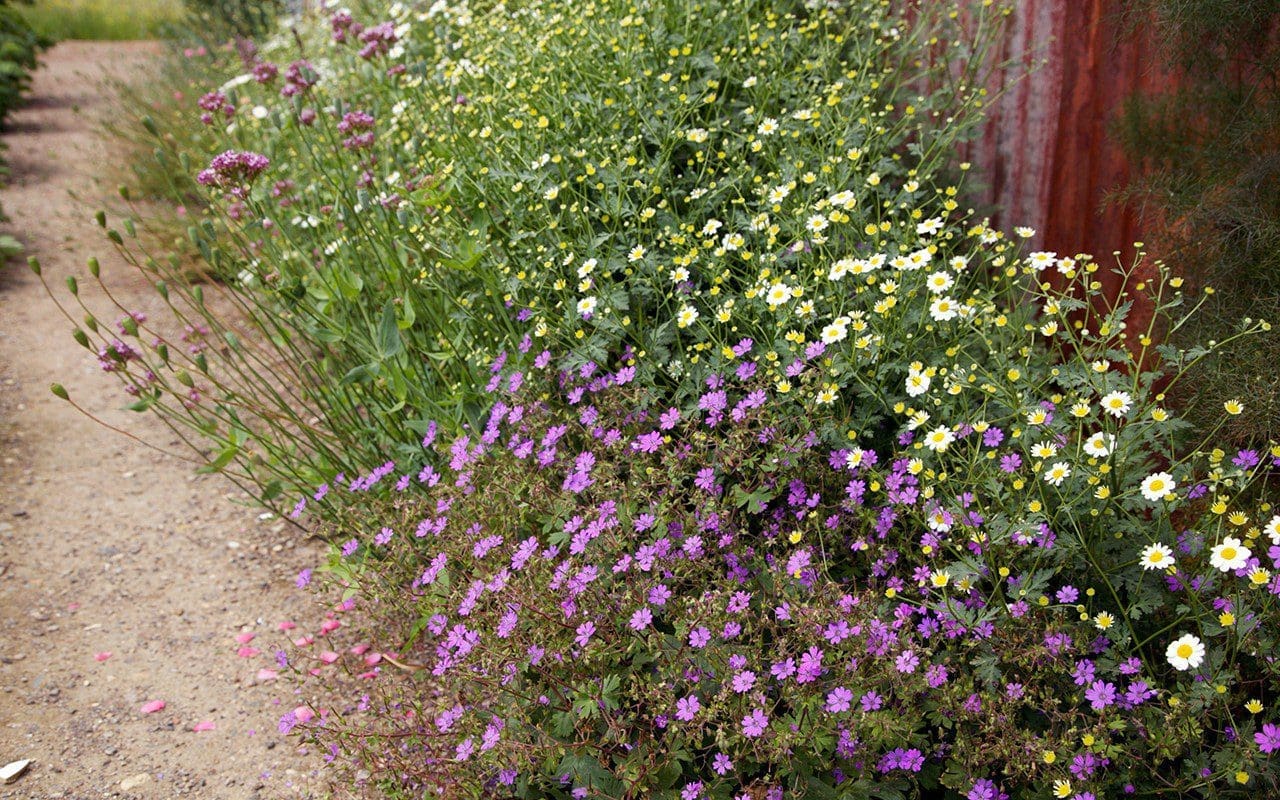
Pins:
<point x="107" y="546"/>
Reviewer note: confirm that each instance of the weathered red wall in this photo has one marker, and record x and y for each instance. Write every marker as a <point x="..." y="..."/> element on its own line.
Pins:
<point x="1046" y="160"/>
<point x="1046" y="157"/>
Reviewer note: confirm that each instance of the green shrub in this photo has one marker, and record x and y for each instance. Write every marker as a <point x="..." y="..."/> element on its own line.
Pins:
<point x="420" y="194"/>
<point x="19" y="47"/>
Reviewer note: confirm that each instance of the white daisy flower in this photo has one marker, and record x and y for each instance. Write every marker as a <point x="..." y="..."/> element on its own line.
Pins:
<point x="1057" y="473"/>
<point x="1100" y="444"/>
<point x="1186" y="652"/>
<point x="1044" y="450"/>
<point x="1157" y="556"/>
<point x="944" y="309"/>
<point x="1042" y="260"/>
<point x="845" y="199"/>
<point x="939" y="439"/>
<point x="929" y="227"/>
<point x="939" y="282"/>
<point x="778" y="294"/>
<point x="917" y="384"/>
<point x="1117" y="404"/>
<point x="1157" y="485"/>
<point x="840" y="269"/>
<point x="1272" y="529"/>
<point x="835" y="332"/>
<point x="1230" y="555"/>
<point x="920" y="258"/>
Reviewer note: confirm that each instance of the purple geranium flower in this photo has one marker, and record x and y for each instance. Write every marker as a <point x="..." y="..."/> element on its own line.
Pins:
<point x="1268" y="738"/>
<point x="754" y="724"/>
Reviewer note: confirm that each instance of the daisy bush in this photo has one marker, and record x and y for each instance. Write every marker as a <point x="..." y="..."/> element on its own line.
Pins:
<point x="679" y="433"/>
<point x="443" y="178"/>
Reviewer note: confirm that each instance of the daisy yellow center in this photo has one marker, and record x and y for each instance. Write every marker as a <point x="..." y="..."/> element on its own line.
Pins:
<point x="1156" y="558"/>
<point x="1157" y="485"/>
<point x="1229" y="553"/>
<point x="1185" y="650"/>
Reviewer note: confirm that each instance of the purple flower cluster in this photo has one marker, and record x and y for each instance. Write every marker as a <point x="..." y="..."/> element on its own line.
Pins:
<point x="377" y="40"/>
<point x="265" y="72"/>
<point x="634" y="541"/>
<point x="299" y="76"/>
<point x="342" y="26"/>
<point x="360" y="127"/>
<point x="215" y="103"/>
<point x="234" y="171"/>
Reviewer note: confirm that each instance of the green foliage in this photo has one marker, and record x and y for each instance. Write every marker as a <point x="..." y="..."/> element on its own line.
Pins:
<point x="245" y="18"/>
<point x="102" y="19"/>
<point x="1211" y="171"/>
<point x="19" y="47"/>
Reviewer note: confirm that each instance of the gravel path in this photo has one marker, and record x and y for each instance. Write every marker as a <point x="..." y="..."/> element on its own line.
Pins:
<point x="106" y="546"/>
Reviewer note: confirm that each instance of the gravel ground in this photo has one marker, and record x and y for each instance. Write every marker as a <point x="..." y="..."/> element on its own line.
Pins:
<point x="109" y="547"/>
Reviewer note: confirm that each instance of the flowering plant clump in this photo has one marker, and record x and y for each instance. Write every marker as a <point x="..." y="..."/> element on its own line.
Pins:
<point x="1027" y="593"/>
<point x="611" y="176"/>
<point x="795" y="479"/>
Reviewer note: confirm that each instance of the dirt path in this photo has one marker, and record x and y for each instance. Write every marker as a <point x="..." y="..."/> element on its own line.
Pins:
<point x="108" y="546"/>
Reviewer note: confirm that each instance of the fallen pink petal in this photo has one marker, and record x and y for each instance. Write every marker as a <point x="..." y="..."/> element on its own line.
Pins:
<point x="204" y="725"/>
<point x="328" y="656"/>
<point x="265" y="674"/>
<point x="103" y="656"/>
<point x="245" y="637"/>
<point x="248" y="652"/>
<point x="152" y="706"/>
<point x="286" y="626"/>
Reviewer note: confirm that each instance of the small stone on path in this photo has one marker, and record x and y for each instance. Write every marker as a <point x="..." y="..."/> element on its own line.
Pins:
<point x="134" y="781"/>
<point x="12" y="771"/>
